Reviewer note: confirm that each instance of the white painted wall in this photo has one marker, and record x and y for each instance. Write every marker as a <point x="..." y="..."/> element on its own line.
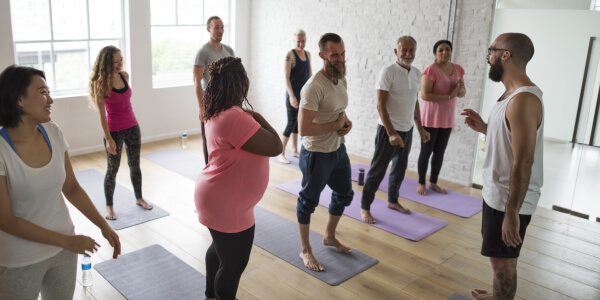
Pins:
<point x="544" y="4"/>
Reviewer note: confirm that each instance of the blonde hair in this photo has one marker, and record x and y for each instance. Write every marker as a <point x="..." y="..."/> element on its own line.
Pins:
<point x="102" y="75"/>
<point x="299" y="31"/>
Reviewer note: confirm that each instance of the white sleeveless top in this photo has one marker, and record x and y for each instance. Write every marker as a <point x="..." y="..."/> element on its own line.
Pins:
<point x="499" y="158"/>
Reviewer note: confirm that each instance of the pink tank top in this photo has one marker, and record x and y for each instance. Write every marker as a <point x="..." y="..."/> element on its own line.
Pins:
<point x="119" y="113"/>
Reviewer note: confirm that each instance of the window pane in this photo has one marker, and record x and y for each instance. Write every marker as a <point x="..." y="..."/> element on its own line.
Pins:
<point x="173" y="53"/>
<point x="71" y="61"/>
<point x="36" y="55"/>
<point x="30" y="20"/>
<point x="162" y="12"/>
<point x="96" y="46"/>
<point x="216" y="8"/>
<point x="69" y="19"/>
<point x="105" y="19"/>
<point x="189" y="12"/>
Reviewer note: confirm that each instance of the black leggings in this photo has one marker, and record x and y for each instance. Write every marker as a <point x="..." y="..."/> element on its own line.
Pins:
<point x="132" y="138"/>
<point x="436" y="145"/>
<point x="226" y="259"/>
<point x="292" y="116"/>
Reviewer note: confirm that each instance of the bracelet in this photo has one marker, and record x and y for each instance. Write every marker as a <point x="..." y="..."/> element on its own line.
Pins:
<point x="449" y="98"/>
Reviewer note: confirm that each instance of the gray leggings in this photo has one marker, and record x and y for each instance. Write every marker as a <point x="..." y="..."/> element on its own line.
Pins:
<point x="55" y="277"/>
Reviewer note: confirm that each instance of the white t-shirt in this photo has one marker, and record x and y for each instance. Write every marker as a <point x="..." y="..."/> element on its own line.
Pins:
<point x="499" y="159"/>
<point x="403" y="86"/>
<point x="36" y="196"/>
<point x="328" y="100"/>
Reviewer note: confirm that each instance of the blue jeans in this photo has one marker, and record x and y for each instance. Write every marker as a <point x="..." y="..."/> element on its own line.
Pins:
<point x="320" y="169"/>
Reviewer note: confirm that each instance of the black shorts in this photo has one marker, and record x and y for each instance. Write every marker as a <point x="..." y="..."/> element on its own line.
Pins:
<point x="491" y="230"/>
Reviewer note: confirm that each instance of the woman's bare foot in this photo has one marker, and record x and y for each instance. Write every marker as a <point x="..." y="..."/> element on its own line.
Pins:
<point x="398" y="207"/>
<point x="295" y="154"/>
<point x="421" y="190"/>
<point x="333" y="242"/>
<point x="282" y="159"/>
<point x="366" y="216"/>
<point x="110" y="213"/>
<point x="480" y="294"/>
<point x="310" y="261"/>
<point x="141" y="202"/>
<point x="437" y="188"/>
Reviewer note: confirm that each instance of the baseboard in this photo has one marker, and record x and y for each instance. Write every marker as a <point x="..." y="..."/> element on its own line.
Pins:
<point x="571" y="212"/>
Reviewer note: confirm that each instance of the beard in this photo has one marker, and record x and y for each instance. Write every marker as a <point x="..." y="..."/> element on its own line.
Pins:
<point x="332" y="70"/>
<point x="496" y="71"/>
<point x="406" y="62"/>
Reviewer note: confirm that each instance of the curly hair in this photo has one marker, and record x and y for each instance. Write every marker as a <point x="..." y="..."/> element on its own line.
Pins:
<point x="227" y="87"/>
<point x="102" y="75"/>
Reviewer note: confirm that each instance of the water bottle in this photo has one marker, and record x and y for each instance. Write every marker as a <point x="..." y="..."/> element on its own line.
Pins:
<point x="86" y="270"/>
<point x="361" y="176"/>
<point x="184" y="140"/>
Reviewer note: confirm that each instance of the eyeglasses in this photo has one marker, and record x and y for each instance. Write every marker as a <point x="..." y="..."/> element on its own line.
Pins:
<point x="490" y="50"/>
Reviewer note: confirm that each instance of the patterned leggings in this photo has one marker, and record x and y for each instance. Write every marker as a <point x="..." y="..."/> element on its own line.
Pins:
<point x="133" y="143"/>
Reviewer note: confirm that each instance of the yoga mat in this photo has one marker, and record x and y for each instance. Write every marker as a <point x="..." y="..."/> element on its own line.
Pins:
<point x="178" y="161"/>
<point x="294" y="161"/>
<point x="414" y="226"/>
<point x="455" y="203"/>
<point x="458" y="296"/>
<point x="153" y="273"/>
<point x="127" y="211"/>
<point x="280" y="237"/>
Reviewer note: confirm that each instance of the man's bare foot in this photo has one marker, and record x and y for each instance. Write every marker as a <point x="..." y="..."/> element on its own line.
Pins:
<point x="366" y="216"/>
<point x="421" y="190"/>
<point x="295" y="154"/>
<point x="110" y="213"/>
<point x="437" y="188"/>
<point x="333" y="242"/>
<point x="480" y="294"/>
<point x="398" y="207"/>
<point x="282" y="159"/>
<point x="141" y="202"/>
<point x="310" y="261"/>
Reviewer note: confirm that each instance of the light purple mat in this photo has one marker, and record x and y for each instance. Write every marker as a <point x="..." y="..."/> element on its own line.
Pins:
<point x="413" y="226"/>
<point x="455" y="203"/>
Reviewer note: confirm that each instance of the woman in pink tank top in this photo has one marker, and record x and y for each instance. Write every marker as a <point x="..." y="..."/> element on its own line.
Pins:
<point x="111" y="95"/>
<point x="441" y="83"/>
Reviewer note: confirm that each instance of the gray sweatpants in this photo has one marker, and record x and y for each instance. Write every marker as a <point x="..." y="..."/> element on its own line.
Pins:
<point x="55" y="277"/>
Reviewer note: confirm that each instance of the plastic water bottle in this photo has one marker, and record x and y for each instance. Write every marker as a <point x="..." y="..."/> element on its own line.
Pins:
<point x="361" y="176"/>
<point x="184" y="140"/>
<point x="86" y="270"/>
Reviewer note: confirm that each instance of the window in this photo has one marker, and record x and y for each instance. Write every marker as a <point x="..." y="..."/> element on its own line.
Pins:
<point x="178" y="32"/>
<point x="63" y="37"/>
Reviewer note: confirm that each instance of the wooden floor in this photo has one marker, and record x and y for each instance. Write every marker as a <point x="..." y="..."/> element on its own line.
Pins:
<point x="560" y="258"/>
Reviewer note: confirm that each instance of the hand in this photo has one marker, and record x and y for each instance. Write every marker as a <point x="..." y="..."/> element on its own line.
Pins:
<point x="510" y="230"/>
<point x="81" y="244"/>
<point x="341" y="121"/>
<point x="346" y="129"/>
<point x="474" y="120"/>
<point x="454" y="91"/>
<point x="111" y="236"/>
<point x="425" y="136"/>
<point x="396" y="140"/>
<point x="111" y="146"/>
<point x="294" y="102"/>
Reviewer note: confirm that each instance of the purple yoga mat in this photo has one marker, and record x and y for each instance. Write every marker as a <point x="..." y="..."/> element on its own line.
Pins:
<point x="413" y="226"/>
<point x="455" y="203"/>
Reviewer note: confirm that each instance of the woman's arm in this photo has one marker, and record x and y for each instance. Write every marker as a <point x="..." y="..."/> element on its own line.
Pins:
<point x="111" y="146"/>
<point x="289" y="59"/>
<point x="80" y="200"/>
<point x="265" y="141"/>
<point x="310" y="74"/>
<point x="427" y="91"/>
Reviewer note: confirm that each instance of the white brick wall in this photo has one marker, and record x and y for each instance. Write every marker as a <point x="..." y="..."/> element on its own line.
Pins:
<point x="369" y="29"/>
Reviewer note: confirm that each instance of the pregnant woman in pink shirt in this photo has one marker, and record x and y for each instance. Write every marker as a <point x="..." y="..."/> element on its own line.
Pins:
<point x="441" y="83"/>
<point x="239" y="142"/>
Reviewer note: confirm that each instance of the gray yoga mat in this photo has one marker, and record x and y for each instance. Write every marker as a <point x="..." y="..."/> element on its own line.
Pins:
<point x="153" y="273"/>
<point x="458" y="296"/>
<point x="294" y="161"/>
<point x="127" y="211"/>
<point x="280" y="237"/>
<point x="178" y="161"/>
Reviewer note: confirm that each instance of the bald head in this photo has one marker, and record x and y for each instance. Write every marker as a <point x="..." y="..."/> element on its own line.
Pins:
<point x="520" y="47"/>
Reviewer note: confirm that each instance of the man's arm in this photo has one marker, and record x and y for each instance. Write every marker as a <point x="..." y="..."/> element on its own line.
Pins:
<point x="394" y="137"/>
<point x="307" y="127"/>
<point x="425" y="136"/>
<point x="198" y="72"/>
<point x="474" y="120"/>
<point x="524" y="116"/>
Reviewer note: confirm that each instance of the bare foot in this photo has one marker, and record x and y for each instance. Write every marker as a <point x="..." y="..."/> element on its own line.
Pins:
<point x="366" y="216"/>
<point x="437" y="188"/>
<point x="295" y="154"/>
<point x="333" y="242"/>
<point x="422" y="190"/>
<point x="480" y="294"/>
<point x="110" y="213"/>
<point x="398" y="207"/>
<point x="141" y="202"/>
<point x="310" y="261"/>
<point x="282" y="159"/>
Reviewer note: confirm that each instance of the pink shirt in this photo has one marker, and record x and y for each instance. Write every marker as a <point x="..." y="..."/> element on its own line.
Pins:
<point x="119" y="113"/>
<point x="234" y="180"/>
<point x="440" y="114"/>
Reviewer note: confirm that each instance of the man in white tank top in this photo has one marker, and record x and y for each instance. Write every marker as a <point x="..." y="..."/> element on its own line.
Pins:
<point x="512" y="171"/>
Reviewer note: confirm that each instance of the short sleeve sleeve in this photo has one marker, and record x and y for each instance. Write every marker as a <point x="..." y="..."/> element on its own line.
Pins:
<point x="239" y="127"/>
<point x="430" y="73"/>
<point x="2" y="165"/>
<point x="200" y="58"/>
<point x="384" y="80"/>
<point x="310" y="96"/>
<point x="57" y="139"/>
<point x="230" y="50"/>
<point x="460" y="70"/>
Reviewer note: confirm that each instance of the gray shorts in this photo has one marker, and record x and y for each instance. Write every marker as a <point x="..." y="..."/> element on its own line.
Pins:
<point x="54" y="277"/>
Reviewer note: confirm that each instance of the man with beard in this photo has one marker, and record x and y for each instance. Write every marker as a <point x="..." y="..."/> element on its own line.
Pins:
<point x="397" y="87"/>
<point x="512" y="171"/>
<point x="323" y="158"/>
<point x="209" y="53"/>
